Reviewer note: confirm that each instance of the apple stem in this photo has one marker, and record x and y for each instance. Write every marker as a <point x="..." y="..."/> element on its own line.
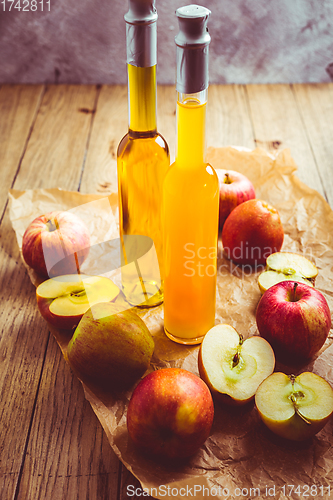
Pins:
<point x="295" y="286"/>
<point x="227" y="179"/>
<point x="51" y="225"/>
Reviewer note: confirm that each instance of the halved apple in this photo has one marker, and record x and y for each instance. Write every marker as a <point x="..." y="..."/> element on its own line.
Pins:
<point x="287" y="266"/>
<point x="63" y="300"/>
<point x="295" y="407"/>
<point x="232" y="367"/>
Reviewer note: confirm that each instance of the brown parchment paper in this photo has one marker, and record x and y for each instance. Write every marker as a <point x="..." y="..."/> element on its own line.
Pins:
<point x="241" y="458"/>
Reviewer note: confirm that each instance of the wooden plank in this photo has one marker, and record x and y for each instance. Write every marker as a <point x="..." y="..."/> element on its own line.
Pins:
<point x="18" y="107"/>
<point x="23" y="341"/>
<point x="56" y="149"/>
<point x="277" y="124"/>
<point x="315" y="103"/>
<point x="228" y="121"/>
<point x="109" y="126"/>
<point x="54" y="157"/>
<point x="68" y="455"/>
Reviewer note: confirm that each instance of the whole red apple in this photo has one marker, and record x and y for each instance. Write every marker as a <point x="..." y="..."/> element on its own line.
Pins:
<point x="235" y="188"/>
<point x="54" y="237"/>
<point x="170" y="413"/>
<point x="252" y="231"/>
<point x="295" y="319"/>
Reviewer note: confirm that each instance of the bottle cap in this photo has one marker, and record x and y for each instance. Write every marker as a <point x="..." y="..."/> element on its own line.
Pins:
<point x="192" y="49"/>
<point x="141" y="12"/>
<point x="141" y="33"/>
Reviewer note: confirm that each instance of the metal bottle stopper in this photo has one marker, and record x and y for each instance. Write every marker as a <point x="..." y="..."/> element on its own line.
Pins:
<point x="192" y="49"/>
<point x="141" y="33"/>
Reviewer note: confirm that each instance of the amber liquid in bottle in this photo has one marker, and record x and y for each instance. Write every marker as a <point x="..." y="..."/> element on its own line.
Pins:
<point x="142" y="162"/>
<point x="190" y="216"/>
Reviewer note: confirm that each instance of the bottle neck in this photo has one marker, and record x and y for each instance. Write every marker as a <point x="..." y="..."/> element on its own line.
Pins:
<point x="141" y="99"/>
<point x="191" y="129"/>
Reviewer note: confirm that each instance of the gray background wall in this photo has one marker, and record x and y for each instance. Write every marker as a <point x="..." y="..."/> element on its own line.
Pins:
<point x="253" y="41"/>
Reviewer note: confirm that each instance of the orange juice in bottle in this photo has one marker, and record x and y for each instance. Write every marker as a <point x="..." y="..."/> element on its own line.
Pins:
<point x="190" y="194"/>
<point x="142" y="161"/>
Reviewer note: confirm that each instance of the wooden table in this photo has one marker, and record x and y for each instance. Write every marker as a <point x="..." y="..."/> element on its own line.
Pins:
<point x="52" y="446"/>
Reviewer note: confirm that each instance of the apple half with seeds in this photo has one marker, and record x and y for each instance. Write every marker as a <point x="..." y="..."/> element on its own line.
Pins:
<point x="63" y="300"/>
<point x="233" y="368"/>
<point x="287" y="266"/>
<point x="292" y="407"/>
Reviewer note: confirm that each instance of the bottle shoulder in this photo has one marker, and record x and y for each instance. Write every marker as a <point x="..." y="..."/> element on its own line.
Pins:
<point x="153" y="143"/>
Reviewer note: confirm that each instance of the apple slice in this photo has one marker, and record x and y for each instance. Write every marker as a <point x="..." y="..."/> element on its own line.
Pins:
<point x="287" y="266"/>
<point x="233" y="367"/>
<point x="63" y="300"/>
<point x="295" y="407"/>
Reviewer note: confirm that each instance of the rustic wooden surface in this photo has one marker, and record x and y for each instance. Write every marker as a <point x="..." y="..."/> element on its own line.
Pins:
<point x="52" y="446"/>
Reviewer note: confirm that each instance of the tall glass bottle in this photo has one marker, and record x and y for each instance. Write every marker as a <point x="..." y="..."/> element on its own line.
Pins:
<point x="191" y="194"/>
<point x="142" y="161"/>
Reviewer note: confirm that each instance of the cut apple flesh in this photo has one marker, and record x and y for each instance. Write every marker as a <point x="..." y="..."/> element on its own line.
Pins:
<point x="74" y="294"/>
<point x="287" y="266"/>
<point x="232" y="367"/>
<point x="270" y="278"/>
<point x="295" y="408"/>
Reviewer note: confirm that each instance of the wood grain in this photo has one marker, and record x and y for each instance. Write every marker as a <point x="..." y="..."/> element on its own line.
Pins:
<point x="277" y="124"/>
<point x="110" y="124"/>
<point x="68" y="455"/>
<point x="53" y="157"/>
<point x="23" y="341"/>
<point x="57" y="146"/>
<point x="52" y="445"/>
<point x="18" y="108"/>
<point x="228" y="120"/>
<point x="315" y="104"/>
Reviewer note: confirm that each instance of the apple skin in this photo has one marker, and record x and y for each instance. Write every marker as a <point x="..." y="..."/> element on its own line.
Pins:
<point x="110" y="349"/>
<point x="224" y="397"/>
<point x="170" y="413"/>
<point x="294" y="427"/>
<point x="70" y="322"/>
<point x="252" y="232"/>
<point x="295" y="319"/>
<point x="56" y="234"/>
<point x="235" y="188"/>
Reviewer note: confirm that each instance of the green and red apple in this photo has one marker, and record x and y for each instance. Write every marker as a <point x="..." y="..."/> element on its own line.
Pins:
<point x="295" y="319"/>
<point x="295" y="407"/>
<point x="235" y="188"/>
<point x="287" y="266"/>
<point x="233" y="368"/>
<point x="63" y="300"/>
<point x="111" y="348"/>
<point x="252" y="232"/>
<point x="170" y="413"/>
<point x="56" y="243"/>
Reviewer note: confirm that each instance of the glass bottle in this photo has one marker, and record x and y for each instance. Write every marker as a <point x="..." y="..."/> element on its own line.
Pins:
<point x="142" y="161"/>
<point x="191" y="194"/>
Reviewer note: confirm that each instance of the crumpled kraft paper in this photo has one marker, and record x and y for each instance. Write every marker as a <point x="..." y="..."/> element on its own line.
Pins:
<point x="241" y="458"/>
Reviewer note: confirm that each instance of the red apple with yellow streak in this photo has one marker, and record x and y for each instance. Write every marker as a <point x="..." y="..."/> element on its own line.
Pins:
<point x="57" y="237"/>
<point x="170" y="413"/>
<point x="295" y="319"/>
<point x="252" y="232"/>
<point x="235" y="188"/>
